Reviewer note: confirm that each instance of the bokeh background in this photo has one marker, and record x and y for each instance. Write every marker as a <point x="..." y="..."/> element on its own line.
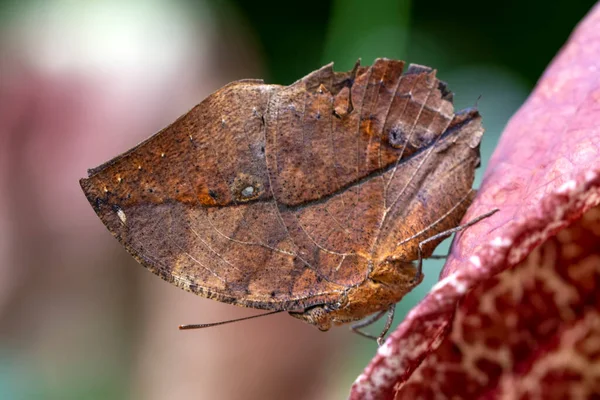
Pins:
<point x="81" y="81"/>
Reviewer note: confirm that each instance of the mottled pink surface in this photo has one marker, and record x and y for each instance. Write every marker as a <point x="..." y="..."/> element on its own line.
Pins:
<point x="515" y="313"/>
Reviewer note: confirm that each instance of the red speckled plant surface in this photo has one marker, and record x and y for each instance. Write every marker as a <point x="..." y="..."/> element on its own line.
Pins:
<point x="516" y="313"/>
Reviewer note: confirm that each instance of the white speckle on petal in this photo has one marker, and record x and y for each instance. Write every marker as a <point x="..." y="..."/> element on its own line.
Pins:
<point x="450" y="280"/>
<point x="590" y="175"/>
<point x="385" y="350"/>
<point x="566" y="187"/>
<point x="501" y="242"/>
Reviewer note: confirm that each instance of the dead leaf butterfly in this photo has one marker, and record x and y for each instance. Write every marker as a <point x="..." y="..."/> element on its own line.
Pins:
<point x="319" y="198"/>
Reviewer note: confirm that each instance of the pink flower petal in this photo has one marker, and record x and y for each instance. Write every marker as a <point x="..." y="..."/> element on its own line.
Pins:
<point x="543" y="176"/>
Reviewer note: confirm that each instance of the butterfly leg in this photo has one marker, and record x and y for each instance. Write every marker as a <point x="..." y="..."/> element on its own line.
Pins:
<point x="446" y="234"/>
<point x="356" y="328"/>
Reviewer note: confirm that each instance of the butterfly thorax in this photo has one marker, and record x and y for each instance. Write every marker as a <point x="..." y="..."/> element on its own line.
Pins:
<point x="385" y="286"/>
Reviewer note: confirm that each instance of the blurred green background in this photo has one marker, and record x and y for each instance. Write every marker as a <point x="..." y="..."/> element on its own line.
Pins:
<point x="81" y="81"/>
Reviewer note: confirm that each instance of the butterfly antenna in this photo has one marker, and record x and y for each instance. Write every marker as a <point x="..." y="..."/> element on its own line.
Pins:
<point x="200" y="326"/>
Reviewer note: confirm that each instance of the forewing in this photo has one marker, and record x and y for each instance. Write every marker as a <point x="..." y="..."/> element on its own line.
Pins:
<point x="430" y="192"/>
<point x="329" y="130"/>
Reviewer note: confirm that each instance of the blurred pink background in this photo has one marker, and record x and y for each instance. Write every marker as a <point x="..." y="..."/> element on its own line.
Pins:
<point x="81" y="83"/>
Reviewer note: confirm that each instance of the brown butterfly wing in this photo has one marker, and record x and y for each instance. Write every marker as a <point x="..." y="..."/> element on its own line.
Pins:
<point x="279" y="197"/>
<point x="430" y="192"/>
